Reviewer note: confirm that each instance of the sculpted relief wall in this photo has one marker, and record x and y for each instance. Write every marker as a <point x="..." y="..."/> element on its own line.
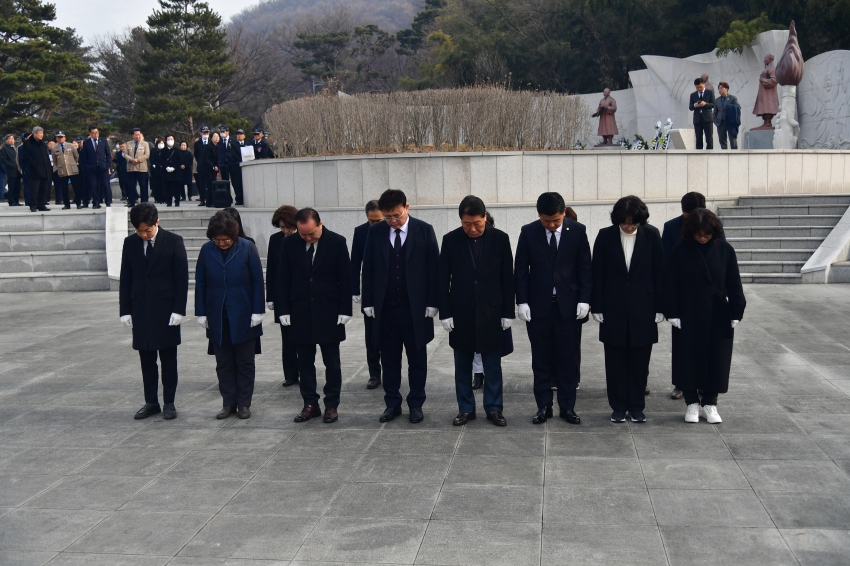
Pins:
<point x="823" y="102"/>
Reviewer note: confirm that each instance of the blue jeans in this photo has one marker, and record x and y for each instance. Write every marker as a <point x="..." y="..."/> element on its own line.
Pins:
<point x="492" y="381"/>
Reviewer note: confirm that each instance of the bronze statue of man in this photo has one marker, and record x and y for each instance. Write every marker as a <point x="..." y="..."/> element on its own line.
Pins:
<point x="607" y="123"/>
<point x="767" y="102"/>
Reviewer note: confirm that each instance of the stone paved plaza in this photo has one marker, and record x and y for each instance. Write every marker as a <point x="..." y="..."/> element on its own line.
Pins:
<point x="82" y="483"/>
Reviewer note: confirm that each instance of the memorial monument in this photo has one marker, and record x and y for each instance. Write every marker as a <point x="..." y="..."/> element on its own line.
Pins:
<point x="789" y="73"/>
<point x="767" y="103"/>
<point x="605" y="111"/>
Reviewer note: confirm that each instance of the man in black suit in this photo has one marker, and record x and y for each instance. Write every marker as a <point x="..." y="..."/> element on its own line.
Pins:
<point x="207" y="164"/>
<point x="9" y="158"/>
<point x="261" y="147"/>
<point x="314" y="291"/>
<point x="35" y="161"/>
<point x="152" y="300"/>
<point x="476" y="289"/>
<point x="358" y="247"/>
<point x="400" y="292"/>
<point x="229" y="158"/>
<point x="95" y="158"/>
<point x="553" y="285"/>
<point x="702" y="105"/>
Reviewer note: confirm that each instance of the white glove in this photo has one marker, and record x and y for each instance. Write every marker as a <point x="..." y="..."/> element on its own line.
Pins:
<point x="356" y="299"/>
<point x="369" y="311"/>
<point x="581" y="310"/>
<point x="256" y="319"/>
<point x="127" y="320"/>
<point x="170" y="169"/>
<point x="270" y="305"/>
<point x="659" y="317"/>
<point x="735" y="323"/>
<point x="343" y="319"/>
<point x="284" y="320"/>
<point x="506" y="323"/>
<point x="524" y="312"/>
<point x="448" y="324"/>
<point x="202" y="320"/>
<point x="598" y="317"/>
<point x="431" y="312"/>
<point x="175" y="319"/>
<point x="677" y="322"/>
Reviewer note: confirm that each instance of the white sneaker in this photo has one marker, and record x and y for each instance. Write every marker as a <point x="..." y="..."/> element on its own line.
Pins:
<point x="709" y="413"/>
<point x="692" y="414"/>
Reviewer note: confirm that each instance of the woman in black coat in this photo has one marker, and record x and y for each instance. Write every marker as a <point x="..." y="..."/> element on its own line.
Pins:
<point x="704" y="301"/>
<point x="186" y="162"/>
<point x="172" y="176"/>
<point x="628" y="263"/>
<point x="284" y="219"/>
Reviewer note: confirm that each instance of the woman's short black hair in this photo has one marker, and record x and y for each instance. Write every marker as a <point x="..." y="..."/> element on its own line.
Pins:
<point x="391" y="199"/>
<point x="491" y="222"/>
<point x="233" y="213"/>
<point x="144" y="212"/>
<point x="629" y="207"/>
<point x="306" y="214"/>
<point x="471" y="206"/>
<point x="703" y="221"/>
<point x="570" y="213"/>
<point x="285" y="215"/>
<point x="550" y="204"/>
<point x="222" y="224"/>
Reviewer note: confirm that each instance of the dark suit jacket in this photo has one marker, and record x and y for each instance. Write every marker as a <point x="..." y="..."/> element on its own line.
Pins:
<point x="35" y="161"/>
<point x="672" y="235"/>
<point x="422" y="258"/>
<point x="476" y="295"/>
<point x="92" y="159"/>
<point x="628" y="298"/>
<point x="235" y="284"/>
<point x="705" y="113"/>
<point x="358" y="248"/>
<point x="262" y="149"/>
<point x="536" y="273"/>
<point x="720" y="108"/>
<point x="9" y="158"/>
<point x="206" y="156"/>
<point x="120" y="161"/>
<point x="273" y="261"/>
<point x="228" y="153"/>
<point x="151" y="293"/>
<point x="314" y="295"/>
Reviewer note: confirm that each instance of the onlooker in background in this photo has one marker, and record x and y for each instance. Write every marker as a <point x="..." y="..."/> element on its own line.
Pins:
<point x="22" y="164"/>
<point x="82" y="193"/>
<point x="261" y="148"/>
<point x="207" y="164"/>
<point x="727" y="115"/>
<point x="138" y="158"/>
<point x="37" y="165"/>
<point x="708" y="85"/>
<point x="186" y="161"/>
<point x="229" y="158"/>
<point x="54" y="178"/>
<point x="172" y="174"/>
<point x="702" y="105"/>
<point x="95" y="159"/>
<point x="283" y="219"/>
<point x="3" y="176"/>
<point x="156" y="170"/>
<point x="65" y="159"/>
<point x="119" y="158"/>
<point x="9" y="159"/>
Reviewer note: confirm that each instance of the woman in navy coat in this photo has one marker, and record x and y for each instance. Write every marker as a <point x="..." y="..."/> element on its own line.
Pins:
<point x="229" y="303"/>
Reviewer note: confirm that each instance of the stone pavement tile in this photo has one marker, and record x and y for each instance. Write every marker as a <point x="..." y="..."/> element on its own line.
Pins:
<point x="485" y="502"/>
<point x="184" y="494"/>
<point x="24" y="436"/>
<point x="708" y="508"/>
<point x="384" y="501"/>
<point x="772" y="375"/>
<point x="814" y="424"/>
<point x="303" y="467"/>
<point x="45" y="529"/>
<point x="690" y="546"/>
<point x="480" y="543"/>
<point x="786" y="359"/>
<point x="283" y="498"/>
<point x="772" y="446"/>
<point x="385" y="468"/>
<point x="249" y="537"/>
<point x="599" y="422"/>
<point x="162" y="434"/>
<point x="24" y="558"/>
<point x="402" y="444"/>
<point x="844" y="465"/>
<point x="189" y="561"/>
<point x="90" y="434"/>
<point x="794" y="510"/>
<point x="777" y="422"/>
<point x="790" y="475"/>
<point x="105" y="493"/>
<point x="502" y="442"/>
<point x="685" y="446"/>
<point x="134" y="462"/>
<point x="51" y="461"/>
<point x="815" y="547"/>
<point x="230" y="439"/>
<point x="594" y="472"/>
<point x="593" y="545"/>
<point x="134" y="532"/>
<point x="331" y="440"/>
<point x="78" y="559"/>
<point x="666" y="424"/>
<point x="594" y="445"/>
<point x="693" y="474"/>
<point x="843" y="385"/>
<point x="582" y="506"/>
<point x="16" y="489"/>
<point x="835" y="404"/>
<point x="496" y="470"/>
<point x="833" y="372"/>
<point x="835" y="359"/>
<point x="354" y="540"/>
<point x="212" y="464"/>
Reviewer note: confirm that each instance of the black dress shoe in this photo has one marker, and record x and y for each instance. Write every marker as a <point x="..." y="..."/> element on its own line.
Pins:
<point x="169" y="412"/>
<point x="148" y="410"/>
<point x="225" y="412"/>
<point x="289" y="382"/>
<point x="496" y="418"/>
<point x="389" y="414"/>
<point x="243" y="412"/>
<point x="66" y="207"/>
<point x="373" y="383"/>
<point x="43" y="209"/>
<point x="463" y="418"/>
<point x="96" y="206"/>
<point x="416" y="415"/>
<point x="541" y="416"/>
<point x="570" y="416"/>
<point x="33" y="209"/>
<point x="646" y="390"/>
<point x="477" y="381"/>
<point x="202" y="203"/>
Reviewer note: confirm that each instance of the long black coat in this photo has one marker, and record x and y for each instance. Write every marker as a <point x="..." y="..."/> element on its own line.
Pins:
<point x="358" y="248"/>
<point x="476" y="296"/>
<point x="151" y="293"/>
<point x="171" y="158"/>
<point x="422" y="259"/>
<point x="314" y="295"/>
<point x="206" y="156"/>
<point x="628" y="298"/>
<point x="672" y="235"/>
<point x="35" y="159"/>
<point x="273" y="261"/>
<point x="705" y="292"/>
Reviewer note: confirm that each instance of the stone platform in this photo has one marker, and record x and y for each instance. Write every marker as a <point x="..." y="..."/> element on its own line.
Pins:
<point x="81" y="482"/>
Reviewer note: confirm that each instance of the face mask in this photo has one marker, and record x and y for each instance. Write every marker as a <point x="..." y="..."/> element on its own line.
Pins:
<point x="170" y="143"/>
<point x="160" y="146"/>
<point x="117" y="147"/>
<point x="204" y="137"/>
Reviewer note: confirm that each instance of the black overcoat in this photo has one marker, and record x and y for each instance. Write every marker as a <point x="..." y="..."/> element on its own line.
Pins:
<point x="273" y="261"/>
<point x="151" y="293"/>
<point x="705" y="292"/>
<point x="477" y="296"/>
<point x="628" y="298"/>
<point x="314" y="295"/>
<point x="422" y="259"/>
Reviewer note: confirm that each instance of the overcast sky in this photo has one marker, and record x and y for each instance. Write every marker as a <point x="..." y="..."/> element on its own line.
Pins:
<point x="96" y="17"/>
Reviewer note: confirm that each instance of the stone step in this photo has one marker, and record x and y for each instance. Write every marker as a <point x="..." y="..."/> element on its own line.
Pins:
<point x="775" y="243"/>
<point x="779" y="220"/>
<point x="839" y="272"/>
<point x="52" y="261"/>
<point x="795" y="199"/>
<point x="54" y="281"/>
<point x="777" y="231"/>
<point x="773" y="255"/>
<point x="52" y="240"/>
<point x="771" y="266"/>
<point x="55" y="220"/>
<point x="772" y="278"/>
<point x="785" y="210"/>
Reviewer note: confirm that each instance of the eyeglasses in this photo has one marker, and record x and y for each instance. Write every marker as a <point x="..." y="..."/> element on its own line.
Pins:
<point x="624" y="225"/>
<point x="146" y="232"/>
<point x="389" y="217"/>
<point x="222" y="241"/>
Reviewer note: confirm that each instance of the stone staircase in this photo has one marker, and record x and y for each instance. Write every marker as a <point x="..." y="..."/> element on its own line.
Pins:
<point x="60" y="250"/>
<point x="774" y="236"/>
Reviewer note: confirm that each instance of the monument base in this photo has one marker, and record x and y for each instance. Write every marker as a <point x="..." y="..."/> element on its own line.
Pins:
<point x="683" y="139"/>
<point x="758" y="139"/>
<point x="608" y="147"/>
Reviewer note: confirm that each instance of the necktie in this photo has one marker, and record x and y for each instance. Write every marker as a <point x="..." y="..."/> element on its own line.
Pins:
<point x="553" y="242"/>
<point x="310" y="251"/>
<point x="397" y="243"/>
<point x="135" y="149"/>
<point x="148" y="252"/>
<point x="62" y="145"/>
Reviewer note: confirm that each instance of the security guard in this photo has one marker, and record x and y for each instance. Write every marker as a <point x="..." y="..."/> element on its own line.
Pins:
<point x="261" y="148"/>
<point x="65" y="159"/>
<point x="229" y="157"/>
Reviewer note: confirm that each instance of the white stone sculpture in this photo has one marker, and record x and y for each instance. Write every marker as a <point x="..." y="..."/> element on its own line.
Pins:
<point x="823" y="102"/>
<point x="787" y="128"/>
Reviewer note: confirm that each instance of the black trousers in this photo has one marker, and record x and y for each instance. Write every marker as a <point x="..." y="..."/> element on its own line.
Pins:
<point x="150" y="374"/>
<point x="59" y="188"/>
<point x="626" y="374"/>
<point x="553" y="351"/>
<point x="14" y="192"/>
<point x="82" y="196"/>
<point x="135" y="178"/>
<point x="397" y="333"/>
<point x="578" y="355"/>
<point x="157" y="188"/>
<point x="289" y="355"/>
<point x="307" y="373"/>
<point x="722" y="135"/>
<point x="38" y="192"/>
<point x="708" y="397"/>
<point x="234" y="365"/>
<point x="205" y="187"/>
<point x="706" y="128"/>
<point x="99" y="186"/>
<point x="173" y="190"/>
<point x="236" y="181"/>
<point x="373" y="353"/>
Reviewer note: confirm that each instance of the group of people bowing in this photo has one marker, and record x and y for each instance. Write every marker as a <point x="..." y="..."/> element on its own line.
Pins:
<point x="634" y="280"/>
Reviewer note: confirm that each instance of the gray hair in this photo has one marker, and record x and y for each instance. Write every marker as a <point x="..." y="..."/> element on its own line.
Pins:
<point x="37" y="129"/>
<point x="7" y="136"/>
